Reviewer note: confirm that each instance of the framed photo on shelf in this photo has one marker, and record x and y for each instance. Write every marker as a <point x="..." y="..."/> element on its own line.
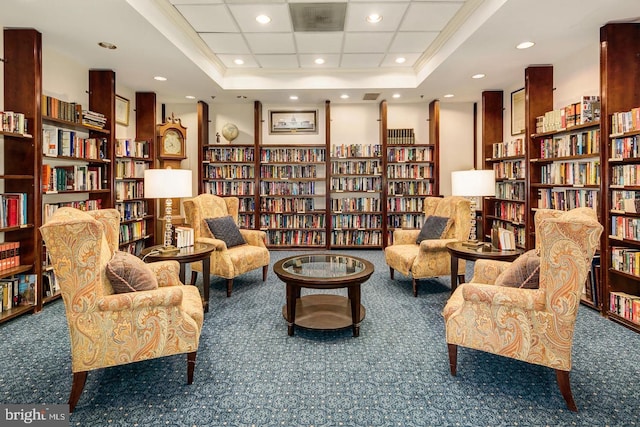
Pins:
<point x="517" y="112"/>
<point x="122" y="110"/>
<point x="293" y="121"/>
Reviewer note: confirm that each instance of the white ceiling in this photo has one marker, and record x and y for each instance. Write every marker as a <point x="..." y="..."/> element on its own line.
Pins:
<point x="193" y="43"/>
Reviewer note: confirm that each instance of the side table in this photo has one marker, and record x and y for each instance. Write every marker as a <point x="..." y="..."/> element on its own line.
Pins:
<point x="458" y="250"/>
<point x="197" y="252"/>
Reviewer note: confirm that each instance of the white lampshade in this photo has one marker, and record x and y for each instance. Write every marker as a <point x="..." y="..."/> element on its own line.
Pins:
<point x="165" y="183"/>
<point x="473" y="183"/>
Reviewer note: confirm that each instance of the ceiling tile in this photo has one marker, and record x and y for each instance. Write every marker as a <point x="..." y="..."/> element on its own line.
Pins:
<point x="330" y="42"/>
<point x="410" y="59"/>
<point x="391" y="15"/>
<point x="427" y="16"/>
<point x="208" y="18"/>
<point x="330" y="61"/>
<point x="365" y="60"/>
<point x="271" y="43"/>
<point x="225" y="42"/>
<point x="245" y="16"/>
<point x="249" y="62"/>
<point x="278" y="61"/>
<point x="412" y="41"/>
<point x="367" y="42"/>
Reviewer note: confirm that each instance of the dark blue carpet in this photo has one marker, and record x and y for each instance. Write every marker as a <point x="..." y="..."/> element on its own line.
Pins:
<point x="250" y="373"/>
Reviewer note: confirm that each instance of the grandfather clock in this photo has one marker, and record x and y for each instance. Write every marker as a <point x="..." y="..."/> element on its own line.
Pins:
<point x="171" y="149"/>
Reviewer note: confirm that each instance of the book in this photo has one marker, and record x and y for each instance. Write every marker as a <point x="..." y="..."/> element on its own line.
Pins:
<point x="27" y="289"/>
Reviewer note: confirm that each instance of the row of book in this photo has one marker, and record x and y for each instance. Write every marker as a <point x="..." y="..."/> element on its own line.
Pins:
<point x="344" y="151"/>
<point x="134" y="248"/>
<point x="508" y="149"/>
<point x="356" y="221"/>
<point x="356" y="238"/>
<point x="409" y="171"/>
<point x="13" y="209"/>
<point x="405" y="204"/>
<point x="410" y="154"/>
<point x="575" y="144"/>
<point x="132" y="210"/>
<point x="568" y="198"/>
<point x="625" y="201"/>
<point x="625" y="148"/>
<point x="410" y="188"/>
<point x="295" y="237"/>
<point x="247" y="221"/>
<point x="68" y="143"/>
<point x="292" y="221"/>
<point x="626" y="259"/>
<point x="289" y="171"/>
<point x="133" y="231"/>
<point x="13" y="122"/>
<point x="184" y="236"/>
<point x="294" y="205"/>
<point x="9" y="255"/>
<point x="625" y="228"/>
<point x="510" y="169"/>
<point x="130" y="168"/>
<point x="360" y="183"/>
<point x="626" y="121"/>
<point x="356" y="167"/>
<point x="62" y="110"/>
<point x="405" y="220"/>
<point x="19" y="290"/>
<point x="508" y="211"/>
<point x="126" y="147"/>
<point x="503" y="238"/>
<point x="94" y="119"/>
<point x="518" y="231"/>
<point x="127" y="190"/>
<point x="587" y="110"/>
<point x="625" y="305"/>
<point x="625" y="174"/>
<point x="293" y="155"/>
<point x="229" y="171"/>
<point x="401" y="137"/>
<point x="71" y="178"/>
<point x="230" y="188"/>
<point x="510" y="190"/>
<point x="571" y="173"/>
<point x="355" y="204"/>
<point x="230" y="154"/>
<point x="288" y="188"/>
<point x="84" y="205"/>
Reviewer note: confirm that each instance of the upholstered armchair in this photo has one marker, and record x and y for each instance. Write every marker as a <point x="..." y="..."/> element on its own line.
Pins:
<point x="226" y="262"/>
<point x="532" y="325"/>
<point x="430" y="258"/>
<point x="108" y="329"/>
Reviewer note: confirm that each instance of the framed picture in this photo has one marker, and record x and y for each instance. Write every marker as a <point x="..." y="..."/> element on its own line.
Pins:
<point x="517" y="112"/>
<point x="293" y="121"/>
<point x="122" y="110"/>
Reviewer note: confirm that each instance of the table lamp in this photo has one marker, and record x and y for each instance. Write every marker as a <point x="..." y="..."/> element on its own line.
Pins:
<point x="473" y="184"/>
<point x="166" y="184"/>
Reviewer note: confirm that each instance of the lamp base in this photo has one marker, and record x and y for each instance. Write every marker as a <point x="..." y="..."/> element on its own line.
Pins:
<point x="168" y="250"/>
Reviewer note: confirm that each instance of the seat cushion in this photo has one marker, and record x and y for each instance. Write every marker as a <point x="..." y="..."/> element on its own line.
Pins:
<point x="401" y="257"/>
<point x="434" y="227"/>
<point x="128" y="273"/>
<point x="226" y="229"/>
<point x="524" y="272"/>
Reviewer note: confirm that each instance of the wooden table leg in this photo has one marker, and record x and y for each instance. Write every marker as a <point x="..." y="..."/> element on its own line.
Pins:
<point x="454" y="272"/>
<point x="206" y="269"/>
<point x="291" y="308"/>
<point x="182" y="272"/>
<point x="354" y="299"/>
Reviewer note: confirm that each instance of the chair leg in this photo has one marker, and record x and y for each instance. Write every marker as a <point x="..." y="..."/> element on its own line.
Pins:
<point x="229" y="287"/>
<point x="565" y="388"/>
<point x="414" y="282"/>
<point x="391" y="272"/>
<point x="453" y="358"/>
<point x="191" y="365"/>
<point x="79" y="378"/>
<point x="194" y="277"/>
<point x="264" y="273"/>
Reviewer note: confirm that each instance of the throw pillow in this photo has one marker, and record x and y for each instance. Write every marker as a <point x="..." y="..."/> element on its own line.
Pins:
<point x="524" y="272"/>
<point x="128" y="273"/>
<point x="226" y="229"/>
<point x="434" y="227"/>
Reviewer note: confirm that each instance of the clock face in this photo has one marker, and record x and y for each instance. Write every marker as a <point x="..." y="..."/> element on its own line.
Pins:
<point x="172" y="142"/>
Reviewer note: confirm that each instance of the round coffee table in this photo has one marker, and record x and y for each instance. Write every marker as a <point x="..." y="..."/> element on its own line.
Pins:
<point x="323" y="271"/>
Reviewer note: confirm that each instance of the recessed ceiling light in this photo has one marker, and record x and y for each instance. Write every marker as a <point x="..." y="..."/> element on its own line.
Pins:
<point x="293" y="97"/>
<point x="263" y="19"/>
<point x="160" y="78"/>
<point x="238" y="61"/>
<point x="449" y="95"/>
<point x="525" y="45"/>
<point x="396" y="95"/>
<point x="478" y="76"/>
<point x="319" y="61"/>
<point x="400" y="60"/>
<point x="374" y="18"/>
<point x="107" y="45"/>
<point x="344" y="96"/>
<point x="190" y="97"/>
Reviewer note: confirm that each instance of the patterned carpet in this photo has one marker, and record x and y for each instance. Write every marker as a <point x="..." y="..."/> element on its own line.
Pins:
<point x="250" y="373"/>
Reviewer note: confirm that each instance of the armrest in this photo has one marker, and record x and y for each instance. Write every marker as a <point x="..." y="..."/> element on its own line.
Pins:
<point x="167" y="272"/>
<point x="487" y="271"/>
<point x="162" y="297"/>
<point x="219" y="245"/>
<point x="431" y="244"/>
<point x="405" y="237"/>
<point x="527" y="299"/>
<point x="254" y="237"/>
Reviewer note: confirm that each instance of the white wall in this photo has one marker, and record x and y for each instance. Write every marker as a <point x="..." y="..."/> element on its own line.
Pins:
<point x="456" y="141"/>
<point x="355" y="124"/>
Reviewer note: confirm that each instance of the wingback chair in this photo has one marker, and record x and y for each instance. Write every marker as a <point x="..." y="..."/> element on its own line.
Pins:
<point x="532" y="325"/>
<point x="430" y="258"/>
<point x="228" y="263"/>
<point x="108" y="329"/>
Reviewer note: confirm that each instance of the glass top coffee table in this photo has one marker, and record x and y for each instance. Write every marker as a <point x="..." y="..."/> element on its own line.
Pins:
<point x="323" y="271"/>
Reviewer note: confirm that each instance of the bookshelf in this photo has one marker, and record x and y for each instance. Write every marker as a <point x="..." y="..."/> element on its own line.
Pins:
<point x="620" y="94"/>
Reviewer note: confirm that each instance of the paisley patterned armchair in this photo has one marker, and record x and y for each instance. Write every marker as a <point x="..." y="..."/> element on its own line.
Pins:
<point x="430" y="258"/>
<point x="225" y="262"/>
<point x="108" y="329"/>
<point x="532" y="325"/>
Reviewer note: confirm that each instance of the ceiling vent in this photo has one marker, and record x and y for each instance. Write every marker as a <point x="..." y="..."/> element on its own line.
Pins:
<point x="318" y="16"/>
<point x="370" y="96"/>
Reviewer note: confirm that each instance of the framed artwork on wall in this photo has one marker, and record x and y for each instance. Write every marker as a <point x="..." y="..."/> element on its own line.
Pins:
<point x="122" y="110"/>
<point x="517" y="112"/>
<point x="293" y="121"/>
